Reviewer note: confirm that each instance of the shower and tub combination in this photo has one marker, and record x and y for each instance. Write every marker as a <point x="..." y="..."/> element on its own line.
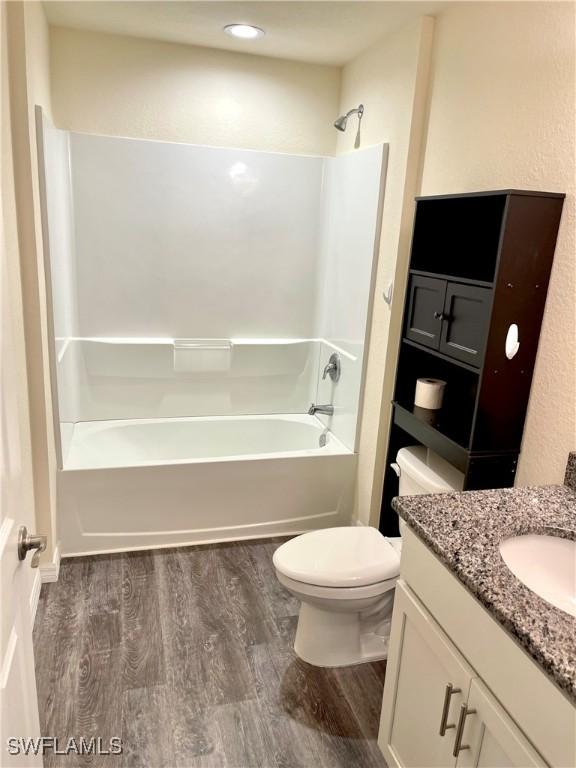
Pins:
<point x="209" y="310"/>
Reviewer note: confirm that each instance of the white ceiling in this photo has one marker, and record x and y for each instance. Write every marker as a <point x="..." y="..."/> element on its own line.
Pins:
<point x="322" y="32"/>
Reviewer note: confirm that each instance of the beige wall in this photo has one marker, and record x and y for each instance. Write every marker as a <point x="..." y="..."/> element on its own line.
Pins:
<point x="38" y="56"/>
<point x="502" y="115"/>
<point x="30" y="82"/>
<point x="390" y="79"/>
<point x="140" y="88"/>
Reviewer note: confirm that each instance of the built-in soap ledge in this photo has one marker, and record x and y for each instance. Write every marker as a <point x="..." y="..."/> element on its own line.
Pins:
<point x="244" y="357"/>
<point x="202" y="355"/>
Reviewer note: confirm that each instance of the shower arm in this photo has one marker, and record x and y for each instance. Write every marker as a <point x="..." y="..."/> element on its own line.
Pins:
<point x="359" y="110"/>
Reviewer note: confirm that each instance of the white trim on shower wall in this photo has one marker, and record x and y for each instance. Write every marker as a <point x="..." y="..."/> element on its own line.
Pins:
<point x="372" y="293"/>
<point x="170" y="340"/>
<point x="61" y="351"/>
<point x="51" y="351"/>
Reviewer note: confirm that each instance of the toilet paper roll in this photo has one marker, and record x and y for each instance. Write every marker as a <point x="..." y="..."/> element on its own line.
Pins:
<point x="429" y="393"/>
<point x="427" y="415"/>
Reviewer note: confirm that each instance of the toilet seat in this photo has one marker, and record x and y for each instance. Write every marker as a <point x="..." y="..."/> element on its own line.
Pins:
<point x="336" y="593"/>
<point x="340" y="559"/>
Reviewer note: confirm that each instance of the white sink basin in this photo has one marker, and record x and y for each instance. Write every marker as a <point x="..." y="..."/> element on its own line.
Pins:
<point x="546" y="565"/>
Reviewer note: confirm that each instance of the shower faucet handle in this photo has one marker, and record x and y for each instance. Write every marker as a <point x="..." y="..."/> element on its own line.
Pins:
<point x="332" y="368"/>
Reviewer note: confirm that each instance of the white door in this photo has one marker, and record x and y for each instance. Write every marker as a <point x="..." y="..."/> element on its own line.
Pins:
<point x="18" y="581"/>
<point x="490" y="736"/>
<point x="427" y="681"/>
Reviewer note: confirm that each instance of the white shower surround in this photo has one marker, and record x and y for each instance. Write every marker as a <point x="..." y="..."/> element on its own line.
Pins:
<point x="202" y="282"/>
<point x="152" y="240"/>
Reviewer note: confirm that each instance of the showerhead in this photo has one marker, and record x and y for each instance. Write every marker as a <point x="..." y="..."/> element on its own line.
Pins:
<point x="341" y="122"/>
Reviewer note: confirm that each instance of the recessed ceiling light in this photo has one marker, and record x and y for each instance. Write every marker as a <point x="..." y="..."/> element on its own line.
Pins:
<point x="244" y="31"/>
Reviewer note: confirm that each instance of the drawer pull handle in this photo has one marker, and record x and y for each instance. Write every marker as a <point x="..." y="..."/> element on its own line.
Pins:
<point x="458" y="746"/>
<point x="450" y="690"/>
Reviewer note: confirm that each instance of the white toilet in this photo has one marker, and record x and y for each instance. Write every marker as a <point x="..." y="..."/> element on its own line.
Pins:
<point x="345" y="577"/>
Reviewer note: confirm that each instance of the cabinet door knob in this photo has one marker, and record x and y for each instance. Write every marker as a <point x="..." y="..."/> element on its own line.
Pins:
<point x="439" y="315"/>
<point x="458" y="746"/>
<point x="450" y="690"/>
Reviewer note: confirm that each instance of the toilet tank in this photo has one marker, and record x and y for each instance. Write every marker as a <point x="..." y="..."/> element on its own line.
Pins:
<point x="423" y="471"/>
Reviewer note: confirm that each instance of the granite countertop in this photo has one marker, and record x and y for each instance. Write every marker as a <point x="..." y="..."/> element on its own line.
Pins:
<point x="465" y="529"/>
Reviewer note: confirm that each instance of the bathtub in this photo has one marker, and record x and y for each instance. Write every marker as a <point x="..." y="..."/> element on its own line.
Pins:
<point x="147" y="483"/>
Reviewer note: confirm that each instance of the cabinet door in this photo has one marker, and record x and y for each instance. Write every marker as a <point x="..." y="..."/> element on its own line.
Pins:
<point x="465" y="325"/>
<point x="422" y="663"/>
<point x="425" y="305"/>
<point x="490" y="738"/>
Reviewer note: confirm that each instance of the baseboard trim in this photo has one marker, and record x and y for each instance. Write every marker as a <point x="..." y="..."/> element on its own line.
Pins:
<point x="35" y="595"/>
<point x="49" y="571"/>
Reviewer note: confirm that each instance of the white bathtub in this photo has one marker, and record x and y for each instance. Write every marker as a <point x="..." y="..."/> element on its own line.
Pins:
<point x="162" y="482"/>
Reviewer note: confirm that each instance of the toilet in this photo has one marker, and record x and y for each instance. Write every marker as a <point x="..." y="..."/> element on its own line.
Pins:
<point x="345" y="577"/>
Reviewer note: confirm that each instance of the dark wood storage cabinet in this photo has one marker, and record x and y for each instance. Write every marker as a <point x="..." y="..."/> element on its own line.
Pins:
<point x="479" y="264"/>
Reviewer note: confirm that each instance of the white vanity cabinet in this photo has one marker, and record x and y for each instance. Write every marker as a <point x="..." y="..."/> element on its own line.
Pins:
<point x="492" y="737"/>
<point x="459" y="692"/>
<point x="431" y="683"/>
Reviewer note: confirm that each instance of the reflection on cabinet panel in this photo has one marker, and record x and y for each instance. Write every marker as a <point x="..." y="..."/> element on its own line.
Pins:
<point x="425" y="305"/>
<point x="465" y="320"/>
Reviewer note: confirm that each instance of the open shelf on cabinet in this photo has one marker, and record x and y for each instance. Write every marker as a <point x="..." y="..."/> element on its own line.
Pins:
<point x="459" y="236"/>
<point x="437" y="431"/>
<point x="455" y="418"/>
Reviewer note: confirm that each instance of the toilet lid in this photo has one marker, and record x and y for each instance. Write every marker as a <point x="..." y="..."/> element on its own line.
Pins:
<point x="338" y="557"/>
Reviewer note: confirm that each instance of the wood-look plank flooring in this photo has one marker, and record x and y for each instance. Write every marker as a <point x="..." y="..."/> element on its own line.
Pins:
<point x="186" y="654"/>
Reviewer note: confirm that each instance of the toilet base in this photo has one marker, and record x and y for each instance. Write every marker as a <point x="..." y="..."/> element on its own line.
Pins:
<point x="340" y="639"/>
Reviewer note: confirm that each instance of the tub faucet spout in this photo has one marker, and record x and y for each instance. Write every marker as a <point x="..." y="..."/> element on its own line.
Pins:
<point x="328" y="410"/>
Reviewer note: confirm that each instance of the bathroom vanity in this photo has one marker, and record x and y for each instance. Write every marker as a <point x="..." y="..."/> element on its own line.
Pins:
<point x="481" y="670"/>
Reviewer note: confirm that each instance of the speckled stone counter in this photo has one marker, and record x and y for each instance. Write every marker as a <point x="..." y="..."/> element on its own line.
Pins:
<point x="465" y="529"/>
